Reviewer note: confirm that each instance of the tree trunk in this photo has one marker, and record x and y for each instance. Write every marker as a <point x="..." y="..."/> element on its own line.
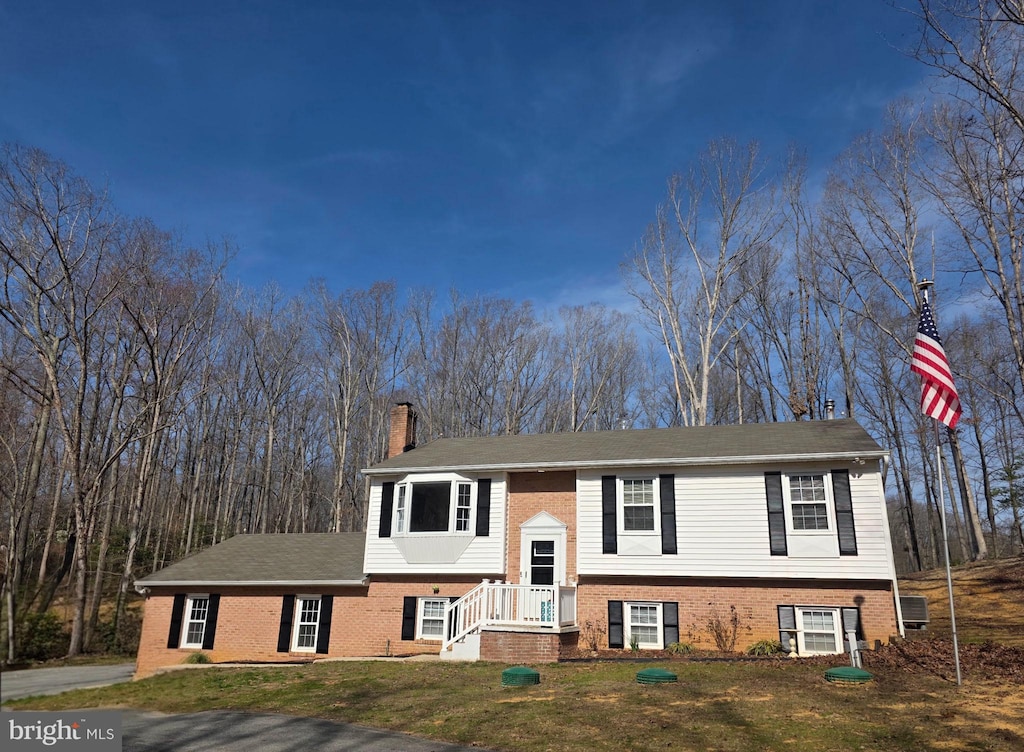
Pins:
<point x="972" y="521"/>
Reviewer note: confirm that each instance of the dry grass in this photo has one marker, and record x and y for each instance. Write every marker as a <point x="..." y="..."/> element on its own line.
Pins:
<point x="988" y="597"/>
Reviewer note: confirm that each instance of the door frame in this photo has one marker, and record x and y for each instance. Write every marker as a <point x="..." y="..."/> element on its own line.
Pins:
<point x="542" y="526"/>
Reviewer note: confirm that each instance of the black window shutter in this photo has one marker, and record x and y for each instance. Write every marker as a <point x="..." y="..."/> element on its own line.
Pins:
<point x="615" y="637"/>
<point x="409" y="617"/>
<point x="177" y="611"/>
<point x="483" y="507"/>
<point x="284" y="632"/>
<point x="387" y="498"/>
<point x="210" y="632"/>
<point x="667" y="486"/>
<point x="610" y="544"/>
<point x="787" y="628"/>
<point x="670" y="619"/>
<point x="844" y="512"/>
<point x="776" y="514"/>
<point x="323" y="633"/>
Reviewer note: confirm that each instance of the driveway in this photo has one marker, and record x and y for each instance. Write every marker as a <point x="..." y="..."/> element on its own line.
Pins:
<point x="53" y="681"/>
<point x="220" y="730"/>
<point x="233" y="731"/>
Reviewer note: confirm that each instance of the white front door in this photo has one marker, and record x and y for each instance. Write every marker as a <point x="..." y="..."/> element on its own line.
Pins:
<point x="542" y="551"/>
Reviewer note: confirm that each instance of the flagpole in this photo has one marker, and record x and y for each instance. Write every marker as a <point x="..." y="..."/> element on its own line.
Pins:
<point x="923" y="286"/>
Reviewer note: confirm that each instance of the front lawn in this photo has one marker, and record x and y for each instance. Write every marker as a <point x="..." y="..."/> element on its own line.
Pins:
<point x="756" y="706"/>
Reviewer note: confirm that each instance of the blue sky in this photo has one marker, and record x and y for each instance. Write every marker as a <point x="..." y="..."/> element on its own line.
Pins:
<point x="505" y="148"/>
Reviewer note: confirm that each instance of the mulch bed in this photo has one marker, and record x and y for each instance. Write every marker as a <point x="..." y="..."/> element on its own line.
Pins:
<point x="933" y="656"/>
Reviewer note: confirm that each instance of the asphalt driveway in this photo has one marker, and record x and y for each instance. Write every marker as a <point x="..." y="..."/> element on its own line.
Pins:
<point x="232" y="731"/>
<point x="220" y="730"/>
<point x="53" y="681"/>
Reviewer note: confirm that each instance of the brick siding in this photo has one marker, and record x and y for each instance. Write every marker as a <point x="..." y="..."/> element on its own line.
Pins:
<point x="365" y="621"/>
<point x="755" y="601"/>
<point x="529" y="494"/>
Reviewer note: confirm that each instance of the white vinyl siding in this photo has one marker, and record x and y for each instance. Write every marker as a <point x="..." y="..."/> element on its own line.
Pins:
<point x="722" y="527"/>
<point x="441" y="552"/>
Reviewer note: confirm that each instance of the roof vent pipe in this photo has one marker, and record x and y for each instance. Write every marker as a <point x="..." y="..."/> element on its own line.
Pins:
<point x="830" y="409"/>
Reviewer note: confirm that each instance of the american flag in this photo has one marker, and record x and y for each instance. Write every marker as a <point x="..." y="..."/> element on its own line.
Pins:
<point x="939" y="399"/>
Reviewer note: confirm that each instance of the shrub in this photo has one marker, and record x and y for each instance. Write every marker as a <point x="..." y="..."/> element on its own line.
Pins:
<point x="42" y="637"/>
<point x="680" y="648"/>
<point x="593" y="635"/>
<point x="126" y="641"/>
<point x="765" y="647"/>
<point x="724" y="630"/>
<point x="197" y="658"/>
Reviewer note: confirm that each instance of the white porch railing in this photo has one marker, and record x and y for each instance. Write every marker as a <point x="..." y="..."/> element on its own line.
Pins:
<point x="505" y="605"/>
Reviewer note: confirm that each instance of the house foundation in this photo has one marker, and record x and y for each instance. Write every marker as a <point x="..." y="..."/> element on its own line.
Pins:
<point x="538" y="646"/>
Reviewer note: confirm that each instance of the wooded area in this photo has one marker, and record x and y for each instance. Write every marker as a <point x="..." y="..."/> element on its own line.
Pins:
<point x="150" y="409"/>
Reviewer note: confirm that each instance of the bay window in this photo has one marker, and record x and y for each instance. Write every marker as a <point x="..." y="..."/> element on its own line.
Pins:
<point x="432" y="505"/>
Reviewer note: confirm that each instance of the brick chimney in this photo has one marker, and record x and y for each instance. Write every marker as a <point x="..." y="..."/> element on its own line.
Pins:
<point x="402" y="436"/>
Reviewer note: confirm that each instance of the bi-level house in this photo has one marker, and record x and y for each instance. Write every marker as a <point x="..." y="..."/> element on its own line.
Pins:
<point x="517" y="548"/>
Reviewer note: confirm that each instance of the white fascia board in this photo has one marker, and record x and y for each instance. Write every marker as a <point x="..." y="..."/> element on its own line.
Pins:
<point x="763" y="459"/>
<point x="250" y="583"/>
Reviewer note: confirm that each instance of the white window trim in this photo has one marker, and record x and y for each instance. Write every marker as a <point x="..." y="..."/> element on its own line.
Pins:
<point x="296" y="623"/>
<point x="403" y="490"/>
<point x="620" y="503"/>
<point x="401" y="507"/>
<point x="627" y="618"/>
<point x="420" y="606"/>
<point x="830" y="505"/>
<point x="837" y="622"/>
<point x="187" y="620"/>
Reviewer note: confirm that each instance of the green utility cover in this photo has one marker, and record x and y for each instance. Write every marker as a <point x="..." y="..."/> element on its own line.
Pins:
<point x="848" y="675"/>
<point x="655" y="676"/>
<point x="519" y="676"/>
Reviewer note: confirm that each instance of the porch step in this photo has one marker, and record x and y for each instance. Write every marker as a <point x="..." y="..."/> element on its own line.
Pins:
<point x="467" y="649"/>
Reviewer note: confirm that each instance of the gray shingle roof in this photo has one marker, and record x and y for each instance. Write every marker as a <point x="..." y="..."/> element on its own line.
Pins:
<point x="286" y="558"/>
<point x="704" y="445"/>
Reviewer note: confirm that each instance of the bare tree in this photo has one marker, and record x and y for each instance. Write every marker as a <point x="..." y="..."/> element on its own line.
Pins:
<point x="686" y="275"/>
<point x="599" y="360"/>
<point x="362" y="336"/>
<point x="60" y="250"/>
<point x="977" y="43"/>
<point x="274" y="332"/>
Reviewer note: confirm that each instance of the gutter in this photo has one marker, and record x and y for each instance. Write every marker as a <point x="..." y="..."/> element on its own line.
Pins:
<point x="647" y="462"/>
<point x="143" y="586"/>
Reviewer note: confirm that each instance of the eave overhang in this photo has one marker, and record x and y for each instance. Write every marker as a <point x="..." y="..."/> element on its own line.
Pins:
<point x="647" y="462"/>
